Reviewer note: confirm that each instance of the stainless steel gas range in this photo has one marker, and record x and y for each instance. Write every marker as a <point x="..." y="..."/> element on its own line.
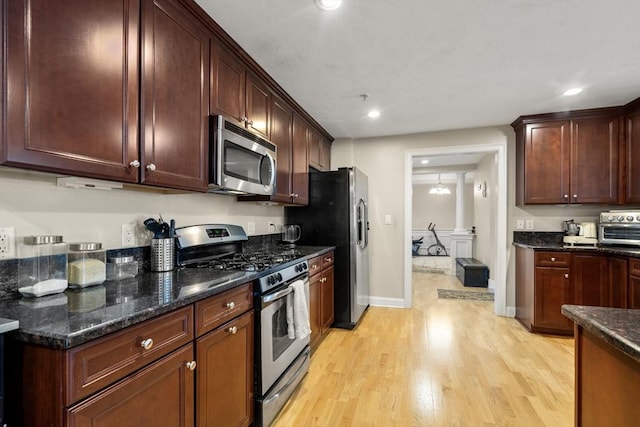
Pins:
<point x="281" y="354"/>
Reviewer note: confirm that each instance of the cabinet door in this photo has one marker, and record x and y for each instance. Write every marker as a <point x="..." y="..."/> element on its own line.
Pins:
<point x="327" y="299"/>
<point x="300" y="177"/>
<point x="547" y="155"/>
<point x="224" y="379"/>
<point x="314" y="142"/>
<point x="616" y="291"/>
<point x="175" y="110"/>
<point x="281" y="128"/>
<point x="258" y="106"/>
<point x="228" y="79"/>
<point x="633" y="300"/>
<point x="325" y="155"/>
<point x="72" y="87"/>
<point x="594" y="160"/>
<point x="159" y="395"/>
<point x="633" y="156"/>
<point x="590" y="278"/>
<point x="552" y="289"/>
<point x="315" y="309"/>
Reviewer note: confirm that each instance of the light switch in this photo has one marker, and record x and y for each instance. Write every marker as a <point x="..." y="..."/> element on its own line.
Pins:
<point x="387" y="219"/>
<point x="529" y="224"/>
<point x="520" y="224"/>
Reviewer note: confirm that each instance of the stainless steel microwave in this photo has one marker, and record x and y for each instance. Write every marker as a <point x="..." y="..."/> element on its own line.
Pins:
<point x="240" y="162"/>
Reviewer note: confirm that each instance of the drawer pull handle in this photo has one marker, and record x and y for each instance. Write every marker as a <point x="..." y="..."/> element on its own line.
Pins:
<point x="314" y="266"/>
<point x="146" y="344"/>
<point x="553" y="259"/>
<point x="151" y="167"/>
<point x="328" y="259"/>
<point x="135" y="164"/>
<point x="230" y="305"/>
<point x="191" y="365"/>
<point x="232" y="330"/>
<point x="566" y="275"/>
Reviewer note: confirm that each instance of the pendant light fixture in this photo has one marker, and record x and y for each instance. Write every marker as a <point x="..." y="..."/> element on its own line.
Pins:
<point x="439" y="188"/>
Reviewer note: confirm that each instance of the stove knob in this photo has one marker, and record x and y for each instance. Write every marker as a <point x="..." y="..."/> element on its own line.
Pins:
<point x="638" y="218"/>
<point x="629" y="218"/>
<point x="297" y="268"/>
<point x="304" y="266"/>
<point x="271" y="280"/>
<point x="610" y="218"/>
<point x="621" y="218"/>
<point x="279" y="278"/>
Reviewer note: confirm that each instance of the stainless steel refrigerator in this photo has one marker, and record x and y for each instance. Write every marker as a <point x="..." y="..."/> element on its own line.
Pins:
<point x="338" y="215"/>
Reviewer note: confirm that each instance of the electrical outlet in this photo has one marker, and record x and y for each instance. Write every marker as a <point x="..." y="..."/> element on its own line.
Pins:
<point x="251" y="227"/>
<point x="272" y="227"/>
<point x="128" y="235"/>
<point x="387" y="219"/>
<point x="7" y="242"/>
<point x="519" y="224"/>
<point x="529" y="224"/>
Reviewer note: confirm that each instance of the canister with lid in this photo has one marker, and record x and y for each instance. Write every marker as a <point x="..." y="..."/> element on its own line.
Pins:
<point x="42" y="265"/>
<point x="122" y="267"/>
<point x="87" y="264"/>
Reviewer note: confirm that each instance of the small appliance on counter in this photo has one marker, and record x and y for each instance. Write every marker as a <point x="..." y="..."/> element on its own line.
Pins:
<point x="290" y="235"/>
<point x="580" y="235"/>
<point x="619" y="228"/>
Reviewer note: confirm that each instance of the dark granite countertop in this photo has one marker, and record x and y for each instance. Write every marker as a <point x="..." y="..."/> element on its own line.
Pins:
<point x="76" y="316"/>
<point x="618" y="327"/>
<point x="7" y="325"/>
<point x="614" y="250"/>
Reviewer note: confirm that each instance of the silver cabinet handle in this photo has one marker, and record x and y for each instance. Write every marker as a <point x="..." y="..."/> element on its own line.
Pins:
<point x="232" y="330"/>
<point x="146" y="344"/>
<point x="244" y="119"/>
<point x="230" y="305"/>
<point x="575" y="196"/>
<point x="135" y="164"/>
<point x="151" y="167"/>
<point x="566" y="196"/>
<point x="250" y="122"/>
<point x="191" y="365"/>
<point x="553" y="259"/>
<point x="328" y="259"/>
<point x="566" y="275"/>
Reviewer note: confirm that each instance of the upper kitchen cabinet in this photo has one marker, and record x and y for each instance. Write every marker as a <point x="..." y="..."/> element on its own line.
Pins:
<point x="632" y="128"/>
<point x="300" y="165"/>
<point x="74" y="91"/>
<point x="175" y="97"/>
<point x="319" y="151"/>
<point x="237" y="93"/>
<point x="71" y="98"/>
<point x="282" y="136"/>
<point x="568" y="158"/>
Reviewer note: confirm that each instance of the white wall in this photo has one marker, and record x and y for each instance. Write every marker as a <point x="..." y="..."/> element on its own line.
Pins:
<point x="440" y="209"/>
<point x="34" y="205"/>
<point x="485" y="211"/>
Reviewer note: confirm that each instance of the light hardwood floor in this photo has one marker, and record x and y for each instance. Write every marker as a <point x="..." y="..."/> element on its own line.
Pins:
<point x="441" y="363"/>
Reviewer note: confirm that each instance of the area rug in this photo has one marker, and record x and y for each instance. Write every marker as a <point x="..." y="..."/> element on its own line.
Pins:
<point x="466" y="295"/>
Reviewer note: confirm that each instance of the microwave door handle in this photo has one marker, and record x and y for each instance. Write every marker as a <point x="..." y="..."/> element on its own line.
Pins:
<point x="273" y="168"/>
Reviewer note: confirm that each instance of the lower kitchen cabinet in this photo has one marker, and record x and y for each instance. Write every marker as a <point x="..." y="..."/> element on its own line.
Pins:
<point x="543" y="285"/>
<point x="321" y="310"/>
<point x="633" y="285"/>
<point x="615" y="294"/>
<point x="591" y="278"/>
<point x="161" y="394"/>
<point x="224" y="378"/>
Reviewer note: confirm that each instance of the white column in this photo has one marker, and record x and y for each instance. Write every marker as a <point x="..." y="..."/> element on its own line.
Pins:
<point x="460" y="204"/>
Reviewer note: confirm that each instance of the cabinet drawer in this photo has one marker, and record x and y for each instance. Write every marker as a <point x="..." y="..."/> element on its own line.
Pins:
<point x="634" y="266"/>
<point x="216" y="310"/>
<point x="99" y="363"/>
<point x="315" y="265"/>
<point x="327" y="259"/>
<point x="553" y="259"/>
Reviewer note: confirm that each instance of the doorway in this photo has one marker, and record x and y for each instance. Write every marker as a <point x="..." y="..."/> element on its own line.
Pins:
<point x="500" y="232"/>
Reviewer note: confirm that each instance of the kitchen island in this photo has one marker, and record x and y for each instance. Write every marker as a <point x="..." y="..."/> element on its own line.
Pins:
<point x="607" y="368"/>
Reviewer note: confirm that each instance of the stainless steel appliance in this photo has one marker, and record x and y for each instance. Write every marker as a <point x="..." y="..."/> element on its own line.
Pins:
<point x="281" y="361"/>
<point x="619" y="227"/>
<point x="579" y="235"/>
<point x="338" y="215"/>
<point x="291" y="234"/>
<point x="240" y="162"/>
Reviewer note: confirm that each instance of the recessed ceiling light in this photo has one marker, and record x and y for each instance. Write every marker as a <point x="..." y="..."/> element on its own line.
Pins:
<point x="373" y="114"/>
<point x="574" y="91"/>
<point x="328" y="4"/>
<point x="424" y="162"/>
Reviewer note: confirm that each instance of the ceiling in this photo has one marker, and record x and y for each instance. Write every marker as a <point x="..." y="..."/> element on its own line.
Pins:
<point x="431" y="65"/>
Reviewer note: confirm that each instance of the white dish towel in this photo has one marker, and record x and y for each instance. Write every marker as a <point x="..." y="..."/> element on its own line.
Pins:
<point x="300" y="315"/>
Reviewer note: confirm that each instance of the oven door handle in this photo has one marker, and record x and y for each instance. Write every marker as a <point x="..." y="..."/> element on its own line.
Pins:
<point x="291" y="380"/>
<point x="276" y="295"/>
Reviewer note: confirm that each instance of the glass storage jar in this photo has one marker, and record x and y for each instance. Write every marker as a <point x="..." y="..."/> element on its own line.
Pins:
<point x="122" y="267"/>
<point x="87" y="264"/>
<point x="42" y="265"/>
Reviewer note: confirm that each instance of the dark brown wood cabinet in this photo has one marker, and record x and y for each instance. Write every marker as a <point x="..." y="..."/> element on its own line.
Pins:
<point x="237" y="93"/>
<point x="633" y="285"/>
<point x="543" y="285"/>
<point x="160" y="394"/>
<point x="321" y="309"/>
<point x="174" y="98"/>
<point x="281" y="135"/>
<point x="72" y="87"/>
<point x="566" y="158"/>
<point x="319" y="151"/>
<point x="224" y="377"/>
<point x="590" y="274"/>
<point x="73" y="77"/>
<point x="615" y="294"/>
<point x="300" y="162"/>
<point x="632" y="133"/>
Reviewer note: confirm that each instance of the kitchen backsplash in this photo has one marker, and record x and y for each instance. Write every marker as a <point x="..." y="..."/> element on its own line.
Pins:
<point x="9" y="268"/>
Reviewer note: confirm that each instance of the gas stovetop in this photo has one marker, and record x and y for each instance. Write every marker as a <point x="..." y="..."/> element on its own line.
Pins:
<point x="250" y="261"/>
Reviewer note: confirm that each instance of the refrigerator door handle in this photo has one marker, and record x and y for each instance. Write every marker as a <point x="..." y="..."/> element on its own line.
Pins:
<point x="363" y="224"/>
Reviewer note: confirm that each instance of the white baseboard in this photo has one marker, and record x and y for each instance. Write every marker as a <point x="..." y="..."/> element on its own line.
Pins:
<point x="511" y="311"/>
<point x="386" y="302"/>
<point x="492" y="284"/>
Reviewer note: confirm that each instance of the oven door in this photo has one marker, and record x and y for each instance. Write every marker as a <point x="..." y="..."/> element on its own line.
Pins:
<point x="619" y="234"/>
<point x="277" y="350"/>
